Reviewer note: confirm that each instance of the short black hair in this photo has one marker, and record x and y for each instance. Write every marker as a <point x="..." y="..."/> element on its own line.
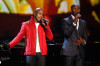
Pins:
<point x="73" y="5"/>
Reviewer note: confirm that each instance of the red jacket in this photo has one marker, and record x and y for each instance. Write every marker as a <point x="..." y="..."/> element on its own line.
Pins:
<point x="29" y="29"/>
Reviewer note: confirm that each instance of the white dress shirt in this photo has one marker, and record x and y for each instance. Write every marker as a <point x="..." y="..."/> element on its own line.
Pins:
<point x="73" y="17"/>
<point x="37" y="38"/>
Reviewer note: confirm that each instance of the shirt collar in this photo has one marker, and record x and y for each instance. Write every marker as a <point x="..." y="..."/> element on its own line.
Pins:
<point x="73" y="17"/>
<point x="32" y="21"/>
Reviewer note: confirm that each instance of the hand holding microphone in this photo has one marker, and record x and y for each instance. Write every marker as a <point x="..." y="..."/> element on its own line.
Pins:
<point x="77" y="17"/>
<point x="44" y="22"/>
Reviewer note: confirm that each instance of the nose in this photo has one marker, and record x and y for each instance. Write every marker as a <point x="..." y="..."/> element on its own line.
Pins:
<point x="78" y="10"/>
<point x="41" y="16"/>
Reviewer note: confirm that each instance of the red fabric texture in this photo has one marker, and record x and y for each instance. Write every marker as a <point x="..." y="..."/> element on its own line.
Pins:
<point x="28" y="29"/>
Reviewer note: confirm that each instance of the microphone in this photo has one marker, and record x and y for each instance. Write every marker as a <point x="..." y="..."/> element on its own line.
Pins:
<point x="78" y="14"/>
<point x="45" y="20"/>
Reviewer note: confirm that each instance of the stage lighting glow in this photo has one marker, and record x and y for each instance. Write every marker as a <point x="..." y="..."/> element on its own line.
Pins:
<point x="28" y="6"/>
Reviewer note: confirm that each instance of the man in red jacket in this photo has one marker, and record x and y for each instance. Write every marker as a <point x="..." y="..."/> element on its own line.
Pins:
<point x="36" y="30"/>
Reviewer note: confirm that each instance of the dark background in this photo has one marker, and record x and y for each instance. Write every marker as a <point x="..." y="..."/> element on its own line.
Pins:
<point x="10" y="25"/>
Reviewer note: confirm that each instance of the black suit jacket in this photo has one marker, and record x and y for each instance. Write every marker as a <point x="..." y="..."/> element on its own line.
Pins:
<point x="71" y="34"/>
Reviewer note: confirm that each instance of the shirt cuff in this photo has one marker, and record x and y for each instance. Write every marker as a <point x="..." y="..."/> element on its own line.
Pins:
<point x="84" y="42"/>
<point x="74" y="24"/>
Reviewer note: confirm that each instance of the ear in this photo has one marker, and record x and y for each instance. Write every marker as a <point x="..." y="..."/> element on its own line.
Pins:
<point x="34" y="14"/>
<point x="71" y="10"/>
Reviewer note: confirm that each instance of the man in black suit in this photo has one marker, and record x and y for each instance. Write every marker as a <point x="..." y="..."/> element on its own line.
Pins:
<point x="75" y="37"/>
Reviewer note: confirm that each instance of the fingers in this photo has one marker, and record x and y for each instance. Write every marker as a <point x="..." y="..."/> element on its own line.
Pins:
<point x="77" y="42"/>
<point x="82" y="40"/>
<point x="78" y="15"/>
<point x="44" y="24"/>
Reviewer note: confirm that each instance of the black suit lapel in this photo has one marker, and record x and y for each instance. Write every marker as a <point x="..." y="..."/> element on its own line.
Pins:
<point x="70" y="18"/>
<point x="79" y="28"/>
<point x="76" y="31"/>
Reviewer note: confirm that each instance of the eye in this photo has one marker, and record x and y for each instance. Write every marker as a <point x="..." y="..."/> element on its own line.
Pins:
<point x="39" y="13"/>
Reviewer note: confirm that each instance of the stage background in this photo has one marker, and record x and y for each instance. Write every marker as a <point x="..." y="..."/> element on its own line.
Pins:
<point x="14" y="12"/>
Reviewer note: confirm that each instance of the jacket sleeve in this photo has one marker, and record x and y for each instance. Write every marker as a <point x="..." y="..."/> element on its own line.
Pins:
<point x="19" y="36"/>
<point x="49" y="33"/>
<point x="85" y="34"/>
<point x="67" y="27"/>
